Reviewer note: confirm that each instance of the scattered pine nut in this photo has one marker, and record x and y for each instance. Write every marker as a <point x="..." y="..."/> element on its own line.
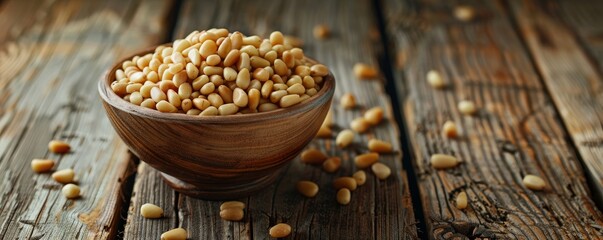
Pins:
<point x="345" y="182"/>
<point x="232" y="214"/>
<point x="359" y="125"/>
<point x="57" y="146"/>
<point x="332" y="164"/>
<point x="280" y="230"/>
<point x="324" y="132"/>
<point x="381" y="170"/>
<point x="374" y="115"/>
<point x="307" y="188"/>
<point x="366" y="160"/>
<point x="232" y="204"/>
<point x="365" y="71"/>
<point x="379" y="146"/>
<point x="64" y="176"/>
<point x="534" y="182"/>
<point x="449" y="130"/>
<point x="41" y="165"/>
<point x="149" y="210"/>
<point x="467" y="107"/>
<point x="348" y="101"/>
<point x="443" y="161"/>
<point x="461" y="200"/>
<point x="175" y="234"/>
<point x="71" y="191"/>
<point x="344" y="138"/>
<point x="464" y="13"/>
<point x="343" y="196"/>
<point x="360" y="177"/>
<point x="321" y="31"/>
<point x="313" y="156"/>
<point x="435" y="80"/>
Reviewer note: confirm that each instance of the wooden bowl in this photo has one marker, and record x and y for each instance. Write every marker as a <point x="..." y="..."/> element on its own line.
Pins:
<point x="216" y="157"/>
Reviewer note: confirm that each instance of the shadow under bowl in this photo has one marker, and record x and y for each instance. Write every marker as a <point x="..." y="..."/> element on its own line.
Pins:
<point x="216" y="157"/>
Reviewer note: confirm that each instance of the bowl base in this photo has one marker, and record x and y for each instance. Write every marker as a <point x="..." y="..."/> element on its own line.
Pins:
<point x="197" y="192"/>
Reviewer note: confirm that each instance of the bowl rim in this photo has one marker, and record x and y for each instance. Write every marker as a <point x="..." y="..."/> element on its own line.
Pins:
<point x="109" y="97"/>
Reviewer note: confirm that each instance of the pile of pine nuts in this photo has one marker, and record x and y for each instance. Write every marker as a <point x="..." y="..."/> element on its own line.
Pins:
<point x="216" y="72"/>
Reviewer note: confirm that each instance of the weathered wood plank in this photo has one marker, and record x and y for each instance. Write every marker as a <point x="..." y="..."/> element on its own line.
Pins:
<point x="50" y="63"/>
<point x="516" y="131"/>
<point x="379" y="209"/>
<point x="573" y="80"/>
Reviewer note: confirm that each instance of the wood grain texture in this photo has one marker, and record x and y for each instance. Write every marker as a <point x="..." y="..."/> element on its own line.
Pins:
<point x="52" y="54"/>
<point x="515" y="132"/>
<point x="574" y="81"/>
<point x="379" y="209"/>
<point x="225" y="157"/>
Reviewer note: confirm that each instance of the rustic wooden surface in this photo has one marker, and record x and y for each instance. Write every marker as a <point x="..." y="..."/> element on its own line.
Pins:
<point x="516" y="131"/>
<point x="575" y="82"/>
<point x="52" y="54"/>
<point x="379" y="209"/>
<point x="534" y="68"/>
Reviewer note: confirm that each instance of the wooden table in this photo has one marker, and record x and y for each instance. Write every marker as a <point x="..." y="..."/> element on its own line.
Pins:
<point x="534" y="69"/>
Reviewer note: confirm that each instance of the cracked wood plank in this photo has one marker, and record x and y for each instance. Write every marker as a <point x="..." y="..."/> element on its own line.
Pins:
<point x="50" y="64"/>
<point x="379" y="209"/>
<point x="516" y="131"/>
<point x="574" y="81"/>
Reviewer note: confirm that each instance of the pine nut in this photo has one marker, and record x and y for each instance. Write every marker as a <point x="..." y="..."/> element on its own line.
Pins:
<point x="157" y="95"/>
<point x="174" y="98"/>
<point x="267" y="107"/>
<point x="210" y="111"/>
<point x="321" y="31"/>
<point x="467" y="107"/>
<point x="343" y="196"/>
<point x="365" y="71"/>
<point x="276" y="38"/>
<point x="277" y="95"/>
<point x="366" y="160"/>
<point x="166" y="107"/>
<point x="148" y="103"/>
<point x="328" y="122"/>
<point x="359" y="125"/>
<point x="449" y="129"/>
<point x="57" y="146"/>
<point x="534" y="182"/>
<point x="225" y="93"/>
<point x="289" y="100"/>
<point x="175" y="234"/>
<point x="136" y="98"/>
<point x="348" y="101"/>
<point x="280" y="230"/>
<point x="332" y="164"/>
<point x="435" y="80"/>
<point x="232" y="214"/>
<point x="208" y="48"/>
<point x="307" y="188"/>
<point x="443" y="161"/>
<point x="254" y="98"/>
<point x="360" y="177"/>
<point x="381" y="170"/>
<point x="71" y="191"/>
<point x="344" y="138"/>
<point x="461" y="200"/>
<point x="313" y="156"/>
<point x="64" y="176"/>
<point x="240" y="97"/>
<point x="379" y="146"/>
<point x="228" y="109"/>
<point x="41" y="165"/>
<point x="324" y="132"/>
<point x="345" y="182"/>
<point x="267" y="88"/>
<point x="232" y="204"/>
<point x="149" y="210"/>
<point x="464" y="13"/>
<point x="374" y="115"/>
